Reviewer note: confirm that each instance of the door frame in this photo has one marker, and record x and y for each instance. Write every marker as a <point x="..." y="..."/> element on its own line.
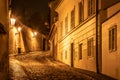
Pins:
<point x="72" y="54"/>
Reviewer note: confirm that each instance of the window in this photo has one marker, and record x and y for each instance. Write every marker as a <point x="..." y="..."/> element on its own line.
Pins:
<point x="73" y="18"/>
<point x="65" y="54"/>
<point x="81" y="11"/>
<point x="91" y="7"/>
<point x="90" y="47"/>
<point x="80" y="51"/>
<point x="66" y="24"/>
<point x="61" y="26"/>
<point x="113" y="38"/>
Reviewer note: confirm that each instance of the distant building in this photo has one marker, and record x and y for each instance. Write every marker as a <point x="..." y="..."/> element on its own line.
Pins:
<point x="77" y="34"/>
<point x="24" y="41"/>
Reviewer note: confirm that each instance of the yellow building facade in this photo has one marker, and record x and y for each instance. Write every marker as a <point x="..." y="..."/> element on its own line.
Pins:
<point x="24" y="40"/>
<point x="4" y="28"/>
<point x="79" y="35"/>
<point x="75" y="32"/>
<point x="110" y="42"/>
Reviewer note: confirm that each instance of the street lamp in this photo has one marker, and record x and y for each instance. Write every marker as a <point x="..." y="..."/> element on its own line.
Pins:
<point x="12" y="20"/>
<point x="34" y="34"/>
<point x="19" y="47"/>
<point x="19" y="29"/>
<point x="11" y="35"/>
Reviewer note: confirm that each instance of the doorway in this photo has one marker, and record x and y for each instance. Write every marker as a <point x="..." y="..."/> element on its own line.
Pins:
<point x="44" y="44"/>
<point x="72" y="54"/>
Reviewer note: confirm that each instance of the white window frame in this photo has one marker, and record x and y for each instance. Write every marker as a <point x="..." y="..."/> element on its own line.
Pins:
<point x="112" y="38"/>
<point x="90" y="47"/>
<point x="80" y="47"/>
<point x="72" y="18"/>
<point x="81" y="11"/>
<point x="91" y="7"/>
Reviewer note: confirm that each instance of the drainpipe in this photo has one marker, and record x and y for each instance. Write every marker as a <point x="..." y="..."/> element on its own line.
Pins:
<point x="97" y="39"/>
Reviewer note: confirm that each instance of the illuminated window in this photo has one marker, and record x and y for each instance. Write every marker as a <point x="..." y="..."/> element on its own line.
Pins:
<point x="80" y="51"/>
<point x="66" y="24"/>
<point x="90" y="47"/>
<point x="81" y="11"/>
<point x="91" y="7"/>
<point x="113" y="38"/>
<point x="73" y="18"/>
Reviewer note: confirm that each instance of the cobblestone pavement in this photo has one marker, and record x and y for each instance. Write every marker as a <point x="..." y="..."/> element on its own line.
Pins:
<point x="16" y="71"/>
<point x="40" y="66"/>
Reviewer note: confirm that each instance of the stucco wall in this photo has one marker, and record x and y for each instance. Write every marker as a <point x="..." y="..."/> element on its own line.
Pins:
<point x="31" y="43"/>
<point x="24" y="40"/>
<point x="111" y="60"/>
<point x="4" y="41"/>
<point x="80" y="34"/>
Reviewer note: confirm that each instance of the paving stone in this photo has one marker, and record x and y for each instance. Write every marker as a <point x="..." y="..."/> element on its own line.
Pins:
<point x="41" y="66"/>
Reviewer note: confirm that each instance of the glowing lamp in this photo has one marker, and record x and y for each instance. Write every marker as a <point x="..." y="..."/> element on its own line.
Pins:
<point x="19" y="29"/>
<point x="12" y="21"/>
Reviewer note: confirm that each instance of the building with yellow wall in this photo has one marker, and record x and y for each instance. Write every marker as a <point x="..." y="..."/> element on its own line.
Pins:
<point x="110" y="42"/>
<point x="4" y="28"/>
<point x="74" y="33"/>
<point x="24" y="41"/>
<point x="77" y="34"/>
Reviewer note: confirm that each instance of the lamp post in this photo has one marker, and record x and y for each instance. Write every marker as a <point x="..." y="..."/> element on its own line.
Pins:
<point x="11" y="35"/>
<point x="19" y="29"/>
<point x="19" y="47"/>
<point x="12" y="20"/>
<point x="34" y="34"/>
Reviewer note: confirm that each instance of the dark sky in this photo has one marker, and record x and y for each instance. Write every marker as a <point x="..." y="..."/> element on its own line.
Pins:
<point x="33" y="13"/>
<point x="31" y="6"/>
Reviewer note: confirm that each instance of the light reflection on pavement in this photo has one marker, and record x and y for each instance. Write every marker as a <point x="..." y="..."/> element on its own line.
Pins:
<point x="41" y="66"/>
<point x="17" y="71"/>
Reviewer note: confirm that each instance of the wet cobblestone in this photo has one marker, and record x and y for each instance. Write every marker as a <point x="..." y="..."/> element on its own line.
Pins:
<point x="41" y="66"/>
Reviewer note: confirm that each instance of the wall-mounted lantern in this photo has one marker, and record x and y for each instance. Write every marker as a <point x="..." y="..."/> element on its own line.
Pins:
<point x="19" y="29"/>
<point x="19" y="47"/>
<point x="12" y="21"/>
<point x="34" y="34"/>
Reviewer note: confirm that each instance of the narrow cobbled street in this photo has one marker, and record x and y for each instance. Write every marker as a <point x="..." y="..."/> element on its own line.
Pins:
<point x="41" y="66"/>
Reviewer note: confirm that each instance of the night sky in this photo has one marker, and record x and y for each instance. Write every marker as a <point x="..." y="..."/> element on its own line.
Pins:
<point x="25" y="10"/>
<point x="31" y="6"/>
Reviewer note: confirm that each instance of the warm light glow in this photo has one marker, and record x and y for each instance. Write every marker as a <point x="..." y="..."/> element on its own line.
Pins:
<point x="46" y="23"/>
<point x="12" y="21"/>
<point x="35" y="33"/>
<point x="19" y="29"/>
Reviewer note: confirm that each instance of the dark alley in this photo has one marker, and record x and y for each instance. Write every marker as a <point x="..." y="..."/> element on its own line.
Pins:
<point x="59" y="40"/>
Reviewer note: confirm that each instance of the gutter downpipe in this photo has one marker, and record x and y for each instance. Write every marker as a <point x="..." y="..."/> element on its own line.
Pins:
<point x="97" y="41"/>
